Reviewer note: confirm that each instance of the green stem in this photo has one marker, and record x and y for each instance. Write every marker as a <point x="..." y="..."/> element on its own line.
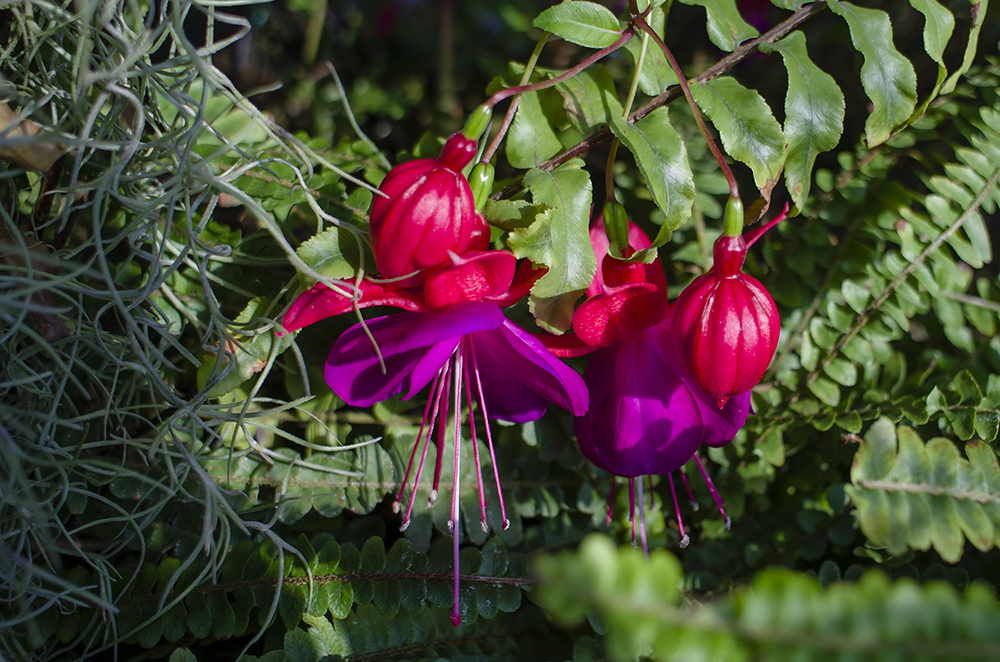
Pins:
<point x="626" y="35"/>
<point x="509" y="117"/>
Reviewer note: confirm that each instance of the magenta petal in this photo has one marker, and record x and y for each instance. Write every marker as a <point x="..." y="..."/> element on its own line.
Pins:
<point x="520" y="376"/>
<point x="643" y="418"/>
<point x="721" y="425"/>
<point x="414" y="346"/>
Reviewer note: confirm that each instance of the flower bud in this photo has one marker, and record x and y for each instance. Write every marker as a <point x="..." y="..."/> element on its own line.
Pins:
<point x="427" y="211"/>
<point x="726" y="324"/>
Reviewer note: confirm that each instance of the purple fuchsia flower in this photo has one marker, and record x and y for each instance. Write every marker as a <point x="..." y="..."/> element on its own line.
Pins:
<point x="454" y="337"/>
<point x="725" y="322"/>
<point x="647" y="414"/>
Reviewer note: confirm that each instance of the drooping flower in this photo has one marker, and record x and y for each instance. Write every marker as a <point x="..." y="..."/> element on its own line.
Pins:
<point x="454" y="337"/>
<point x="647" y="414"/>
<point x="427" y="211"/>
<point x="725" y="321"/>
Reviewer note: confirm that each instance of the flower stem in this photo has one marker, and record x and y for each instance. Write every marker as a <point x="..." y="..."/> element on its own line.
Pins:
<point x="626" y="34"/>
<point x="641" y="23"/>
<point x="509" y="117"/>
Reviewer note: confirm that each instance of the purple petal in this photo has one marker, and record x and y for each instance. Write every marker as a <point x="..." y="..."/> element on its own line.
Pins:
<point x="520" y="376"/>
<point x="414" y="346"/>
<point x="721" y="425"/>
<point x="643" y="418"/>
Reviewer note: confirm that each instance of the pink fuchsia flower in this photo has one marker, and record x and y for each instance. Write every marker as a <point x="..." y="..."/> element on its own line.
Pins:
<point x="454" y="337"/>
<point x="427" y="211"/>
<point x="725" y="321"/>
<point x="647" y="414"/>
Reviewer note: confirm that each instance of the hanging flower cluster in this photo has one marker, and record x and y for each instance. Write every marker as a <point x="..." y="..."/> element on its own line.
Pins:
<point x="661" y="382"/>
<point x="648" y="415"/>
<point x="452" y="334"/>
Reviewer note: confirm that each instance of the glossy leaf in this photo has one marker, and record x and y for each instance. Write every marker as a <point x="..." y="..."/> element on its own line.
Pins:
<point x="583" y="23"/>
<point x="814" y="114"/>
<point x="662" y="159"/>
<point x="749" y="132"/>
<point x="560" y="240"/>
<point x="726" y="28"/>
<point x="887" y="76"/>
<point x="590" y="99"/>
<point x="532" y="139"/>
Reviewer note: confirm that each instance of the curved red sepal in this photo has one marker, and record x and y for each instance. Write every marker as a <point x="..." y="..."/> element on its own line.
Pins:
<point x="620" y="313"/>
<point x="320" y="301"/>
<point x="525" y="278"/>
<point x="566" y="346"/>
<point x="472" y="276"/>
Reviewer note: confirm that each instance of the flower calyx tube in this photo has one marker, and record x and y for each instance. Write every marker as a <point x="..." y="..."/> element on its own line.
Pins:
<point x="725" y="322"/>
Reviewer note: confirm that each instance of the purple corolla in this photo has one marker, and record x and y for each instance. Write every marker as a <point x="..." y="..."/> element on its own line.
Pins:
<point x="648" y="415"/>
<point x="454" y="337"/>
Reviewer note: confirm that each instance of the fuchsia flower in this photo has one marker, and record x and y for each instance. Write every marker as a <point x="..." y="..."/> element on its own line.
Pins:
<point x="426" y="213"/>
<point x="725" y="322"/>
<point x="453" y="336"/>
<point x="647" y="413"/>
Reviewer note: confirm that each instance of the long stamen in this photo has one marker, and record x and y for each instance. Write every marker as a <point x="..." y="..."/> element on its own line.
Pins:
<point x="714" y="492"/>
<point x="694" y="502"/>
<point x="642" y="516"/>
<point x="475" y="443"/>
<point x="685" y="540"/>
<point x="442" y="382"/>
<point x="454" y="524"/>
<point x="416" y="446"/>
<point x="631" y="506"/>
<point x="489" y="434"/>
<point x="611" y="500"/>
<point x="436" y="485"/>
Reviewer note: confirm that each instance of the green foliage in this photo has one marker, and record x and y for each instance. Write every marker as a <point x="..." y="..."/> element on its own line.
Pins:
<point x="781" y="615"/>
<point x="912" y="495"/>
<point x="178" y="481"/>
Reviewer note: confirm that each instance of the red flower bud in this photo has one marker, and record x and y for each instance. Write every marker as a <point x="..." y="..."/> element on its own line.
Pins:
<point x="726" y="324"/>
<point x="427" y="211"/>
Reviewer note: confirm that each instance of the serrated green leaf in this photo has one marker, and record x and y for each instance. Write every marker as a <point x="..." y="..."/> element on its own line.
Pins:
<point x="662" y="159"/>
<point x="531" y="139"/>
<point x="726" y="28"/>
<point x="749" y="132"/>
<point x="814" y="113"/>
<point x="183" y="655"/>
<point x="887" y="76"/>
<point x="583" y="23"/>
<point x="590" y="98"/>
<point x="560" y="240"/>
<point x="842" y="371"/>
<point x="324" y="254"/>
<point x="510" y="215"/>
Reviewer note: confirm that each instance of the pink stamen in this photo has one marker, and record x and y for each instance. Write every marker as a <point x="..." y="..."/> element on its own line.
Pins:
<point x="685" y="540"/>
<point x="642" y="517"/>
<point x="454" y="524"/>
<point x="440" y="442"/>
<point x="631" y="506"/>
<point x="611" y="500"/>
<point x="751" y="237"/>
<point x="714" y="492"/>
<point x="442" y="380"/>
<point x="416" y="445"/>
<point x="475" y="444"/>
<point x="687" y="486"/>
<point x="489" y="434"/>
